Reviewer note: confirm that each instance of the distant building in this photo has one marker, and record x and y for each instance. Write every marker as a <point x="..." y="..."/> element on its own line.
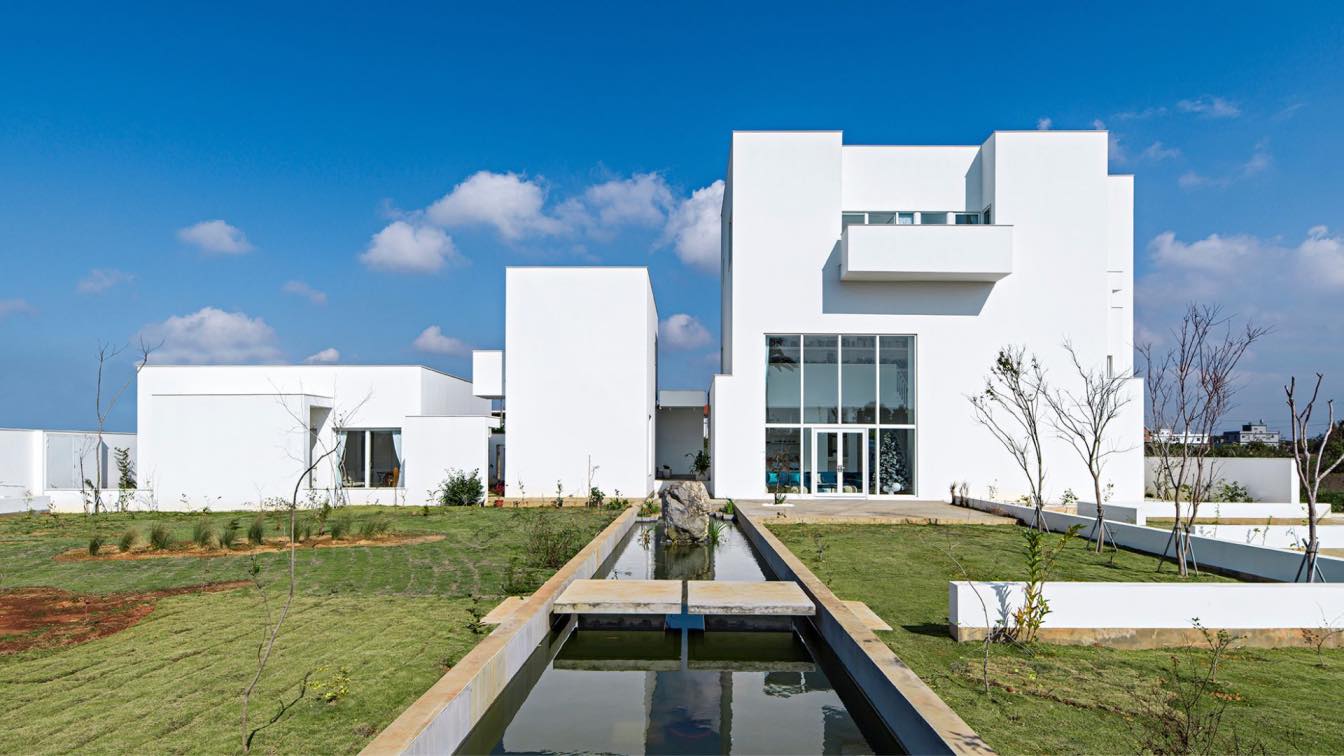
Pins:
<point x="1165" y="435"/>
<point x="1252" y="433"/>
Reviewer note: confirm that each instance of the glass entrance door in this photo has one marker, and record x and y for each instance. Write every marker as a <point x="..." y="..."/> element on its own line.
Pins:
<point x="839" y="462"/>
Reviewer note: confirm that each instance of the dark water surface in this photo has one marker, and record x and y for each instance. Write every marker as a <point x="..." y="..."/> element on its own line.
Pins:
<point x="679" y="692"/>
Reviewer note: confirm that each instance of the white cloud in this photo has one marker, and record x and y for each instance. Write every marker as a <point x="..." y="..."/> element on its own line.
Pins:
<point x="694" y="228"/>
<point x="326" y="356"/>
<point x="15" y="306"/>
<point x="682" y="331"/>
<point x="1158" y="152"/>
<point x="433" y="340"/>
<point x="299" y="288"/>
<point x="1044" y="124"/>
<point x="1210" y="107"/>
<point x="211" y="335"/>
<point x="1322" y="259"/>
<point x="404" y="247"/>
<point x="510" y="203"/>
<point x="101" y="279"/>
<point x="641" y="200"/>
<point x="1115" y="151"/>
<point x="216" y="236"/>
<point x="1260" y="161"/>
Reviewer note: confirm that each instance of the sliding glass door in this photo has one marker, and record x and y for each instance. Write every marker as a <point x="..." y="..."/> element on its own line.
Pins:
<point x="839" y="462"/>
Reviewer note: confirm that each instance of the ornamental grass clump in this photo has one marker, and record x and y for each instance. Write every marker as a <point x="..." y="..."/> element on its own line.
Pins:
<point x="204" y="534"/>
<point x="340" y="527"/>
<point x="229" y="535"/>
<point x="95" y="543"/>
<point x="374" y="527"/>
<point x="256" y="532"/>
<point x="159" y="537"/>
<point x="128" y="540"/>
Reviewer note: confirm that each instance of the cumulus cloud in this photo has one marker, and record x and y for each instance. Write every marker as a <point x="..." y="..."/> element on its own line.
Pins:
<point x="508" y="202"/>
<point x="216" y="237"/>
<point x="693" y="229"/>
<point x="1044" y="124"/>
<point x="682" y="331"/>
<point x="1209" y="107"/>
<point x="211" y="335"/>
<point x="641" y="200"/>
<point x="16" y="306"/>
<point x="433" y="340"/>
<point x="405" y="247"/>
<point x="101" y="279"/>
<point x="324" y="357"/>
<point x="1322" y="259"/>
<point x="301" y="289"/>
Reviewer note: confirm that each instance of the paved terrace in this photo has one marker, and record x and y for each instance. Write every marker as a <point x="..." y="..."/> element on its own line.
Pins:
<point x="867" y="512"/>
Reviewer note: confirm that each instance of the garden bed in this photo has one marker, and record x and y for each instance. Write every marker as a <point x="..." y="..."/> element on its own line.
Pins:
<point x="108" y="553"/>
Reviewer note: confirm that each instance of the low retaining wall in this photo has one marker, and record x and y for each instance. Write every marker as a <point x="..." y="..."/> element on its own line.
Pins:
<point x="921" y="721"/>
<point x="440" y="720"/>
<point x="1151" y="615"/>
<point x="1274" y="536"/>
<point x="1265" y="479"/>
<point x="1138" y="513"/>
<point x="1241" y="559"/>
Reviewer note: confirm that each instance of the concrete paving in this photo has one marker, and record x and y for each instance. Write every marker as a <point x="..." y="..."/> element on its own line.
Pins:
<point x="620" y="597"/>
<point x="867" y="512"/>
<point x="756" y="598"/>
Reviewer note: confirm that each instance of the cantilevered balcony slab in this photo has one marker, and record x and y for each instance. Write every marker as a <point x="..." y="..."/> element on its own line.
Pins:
<point x="926" y="253"/>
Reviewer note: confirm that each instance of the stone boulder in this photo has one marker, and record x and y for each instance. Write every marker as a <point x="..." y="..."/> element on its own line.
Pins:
<point x="686" y="512"/>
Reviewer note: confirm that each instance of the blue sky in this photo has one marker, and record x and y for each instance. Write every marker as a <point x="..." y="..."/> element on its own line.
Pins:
<point x="259" y="184"/>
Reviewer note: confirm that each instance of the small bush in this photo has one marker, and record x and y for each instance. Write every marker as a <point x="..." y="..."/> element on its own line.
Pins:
<point x="460" y="489"/>
<point x="159" y="537"/>
<point x="303" y="530"/>
<point x="595" y="497"/>
<point x="550" y="543"/>
<point x="616" y="503"/>
<point x="256" y="532"/>
<point x="229" y="535"/>
<point x="95" y="543"/>
<point x="374" y="527"/>
<point x="650" y="507"/>
<point x="729" y="508"/>
<point x="203" y="534"/>
<point x="340" y="527"/>
<point x="128" y="540"/>
<point x="1231" y="491"/>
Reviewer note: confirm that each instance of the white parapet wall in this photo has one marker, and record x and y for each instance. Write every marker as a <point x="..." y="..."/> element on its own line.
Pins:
<point x="1265" y="479"/>
<point x="1265" y="613"/>
<point x="1277" y="536"/>
<point x="1260" y="562"/>
<point x="1138" y="513"/>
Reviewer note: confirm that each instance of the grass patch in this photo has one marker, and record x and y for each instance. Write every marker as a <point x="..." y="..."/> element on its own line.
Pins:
<point x="1054" y="699"/>
<point x="394" y="618"/>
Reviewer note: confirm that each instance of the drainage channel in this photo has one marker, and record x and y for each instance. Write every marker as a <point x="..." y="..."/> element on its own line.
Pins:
<point x="595" y="685"/>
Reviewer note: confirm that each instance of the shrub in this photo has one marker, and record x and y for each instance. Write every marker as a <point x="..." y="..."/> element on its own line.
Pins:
<point x="229" y="535"/>
<point x="128" y="539"/>
<point x="549" y="542"/>
<point x="460" y="489"/>
<point x="700" y="464"/>
<point x="1231" y="491"/>
<point x="256" y="532"/>
<point x="1040" y="558"/>
<point x="595" y="497"/>
<point x="729" y="508"/>
<point x="374" y="527"/>
<point x="95" y="543"/>
<point x="159" y="537"/>
<point x="340" y="527"/>
<point x="203" y="534"/>
<point x="617" y="502"/>
<point x="650" y="507"/>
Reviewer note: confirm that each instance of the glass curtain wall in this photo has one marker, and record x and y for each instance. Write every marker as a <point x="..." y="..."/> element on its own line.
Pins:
<point x="859" y="385"/>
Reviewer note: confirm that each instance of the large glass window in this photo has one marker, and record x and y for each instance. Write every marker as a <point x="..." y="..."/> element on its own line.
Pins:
<point x="783" y="465"/>
<point x="895" y="379"/>
<point x="783" y="379"/>
<point x="858" y="379"/>
<point x="821" y="390"/>
<point x="895" y="473"/>
<point x="371" y="458"/>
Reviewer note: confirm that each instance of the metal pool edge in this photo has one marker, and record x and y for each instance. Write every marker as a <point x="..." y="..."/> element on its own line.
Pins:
<point x="441" y="718"/>
<point x="920" y="720"/>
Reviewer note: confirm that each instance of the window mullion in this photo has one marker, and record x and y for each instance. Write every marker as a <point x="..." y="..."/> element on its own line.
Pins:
<point x="368" y="459"/>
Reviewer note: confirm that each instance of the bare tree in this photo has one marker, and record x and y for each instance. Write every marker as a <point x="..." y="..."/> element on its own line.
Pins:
<point x="1309" y="462"/>
<point x="102" y="409"/>
<point x="1010" y="407"/>
<point x="1190" y="390"/>
<point x="1083" y="419"/>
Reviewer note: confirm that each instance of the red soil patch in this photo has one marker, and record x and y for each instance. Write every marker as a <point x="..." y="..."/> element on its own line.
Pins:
<point x="33" y="618"/>
<point x="279" y="544"/>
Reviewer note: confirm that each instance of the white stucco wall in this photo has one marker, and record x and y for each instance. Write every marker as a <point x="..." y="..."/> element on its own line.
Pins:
<point x="1139" y="512"/>
<point x="1072" y="265"/>
<point x="580" y="380"/>
<point x="1265" y="479"/>
<point x="20" y="462"/>
<point x="436" y="445"/>
<point x="229" y="436"/>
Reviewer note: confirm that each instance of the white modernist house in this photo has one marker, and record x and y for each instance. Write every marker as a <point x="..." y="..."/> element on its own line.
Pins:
<point x="56" y="469"/>
<point x="579" y="377"/>
<point x="867" y="289"/>
<point x="229" y="437"/>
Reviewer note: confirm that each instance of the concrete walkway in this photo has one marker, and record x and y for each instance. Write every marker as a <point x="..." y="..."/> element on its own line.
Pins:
<point x="868" y="512"/>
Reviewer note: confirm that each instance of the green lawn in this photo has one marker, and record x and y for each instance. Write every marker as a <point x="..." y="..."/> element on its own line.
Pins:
<point x="1057" y="699"/>
<point x="395" y="616"/>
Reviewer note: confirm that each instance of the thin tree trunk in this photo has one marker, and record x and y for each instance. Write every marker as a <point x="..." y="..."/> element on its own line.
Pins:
<point x="1101" y="515"/>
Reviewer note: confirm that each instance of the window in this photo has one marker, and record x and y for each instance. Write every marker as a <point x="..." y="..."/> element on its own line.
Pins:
<point x="853" y="219"/>
<point x="821" y="386"/>
<point x="989" y="215"/>
<point x="783" y="379"/>
<point x="933" y="219"/>
<point x="782" y="463"/>
<point x="966" y="219"/>
<point x="371" y="458"/>
<point x="894" y="376"/>
<point x="858" y="387"/>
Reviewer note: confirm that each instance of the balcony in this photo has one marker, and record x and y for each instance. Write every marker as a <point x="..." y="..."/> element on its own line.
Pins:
<point x="487" y="374"/>
<point x="926" y="253"/>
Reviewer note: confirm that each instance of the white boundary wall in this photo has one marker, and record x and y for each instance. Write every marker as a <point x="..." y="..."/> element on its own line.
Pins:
<point x="1138" y="513"/>
<point x="1241" y="558"/>
<point x="1277" y="536"/>
<point x="1154" y="605"/>
<point x="1265" y="479"/>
